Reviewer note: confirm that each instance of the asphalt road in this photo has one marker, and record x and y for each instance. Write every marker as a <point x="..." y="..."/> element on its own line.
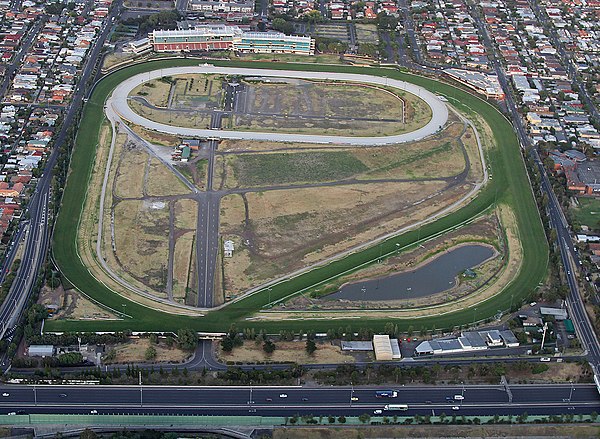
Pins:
<point x="37" y="240"/>
<point x="478" y="400"/>
<point x="119" y="102"/>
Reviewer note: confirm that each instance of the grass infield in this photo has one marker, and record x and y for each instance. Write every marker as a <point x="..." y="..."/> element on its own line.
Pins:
<point x="510" y="185"/>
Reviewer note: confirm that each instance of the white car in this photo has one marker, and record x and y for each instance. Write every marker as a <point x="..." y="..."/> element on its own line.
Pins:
<point x="545" y="360"/>
<point x="455" y="407"/>
<point x="283" y="395"/>
<point x="5" y="394"/>
<point x="377" y="412"/>
<point x="94" y="412"/>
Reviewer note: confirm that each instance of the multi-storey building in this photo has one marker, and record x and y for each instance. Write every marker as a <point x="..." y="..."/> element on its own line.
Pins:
<point x="222" y="37"/>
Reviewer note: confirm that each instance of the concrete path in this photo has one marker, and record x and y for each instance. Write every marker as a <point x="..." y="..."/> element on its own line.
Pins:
<point x="119" y="102"/>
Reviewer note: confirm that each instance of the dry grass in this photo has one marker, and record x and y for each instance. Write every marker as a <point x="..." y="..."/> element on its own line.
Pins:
<point x="186" y="214"/>
<point x="155" y="137"/>
<point x="287" y="351"/>
<point x="130" y="173"/>
<point x="496" y="285"/>
<point x="154" y="91"/>
<point x="229" y="145"/>
<point x="162" y="182"/>
<point x="437" y="431"/>
<point x="181" y="264"/>
<point x="134" y="352"/>
<point x="77" y="307"/>
<point x="236" y="279"/>
<point x="141" y="242"/>
<point x="293" y="228"/>
<point x="185" y="119"/>
<point x="233" y="212"/>
<point x="470" y="142"/>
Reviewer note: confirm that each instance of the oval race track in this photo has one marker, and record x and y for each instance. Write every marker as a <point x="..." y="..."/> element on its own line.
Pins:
<point x="119" y="102"/>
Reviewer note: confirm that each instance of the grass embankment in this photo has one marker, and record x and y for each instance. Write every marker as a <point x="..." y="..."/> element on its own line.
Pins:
<point x="510" y="185"/>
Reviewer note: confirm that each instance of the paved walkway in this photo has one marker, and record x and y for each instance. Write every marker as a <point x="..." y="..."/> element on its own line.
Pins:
<point x="119" y="102"/>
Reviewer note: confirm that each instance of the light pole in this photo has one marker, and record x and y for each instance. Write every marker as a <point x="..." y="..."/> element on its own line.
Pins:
<point x="351" y="393"/>
<point x="571" y="393"/>
<point x="141" y="394"/>
<point x="462" y="393"/>
<point x="34" y="395"/>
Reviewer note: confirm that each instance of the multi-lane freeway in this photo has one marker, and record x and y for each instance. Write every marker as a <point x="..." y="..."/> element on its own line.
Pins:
<point x="285" y="401"/>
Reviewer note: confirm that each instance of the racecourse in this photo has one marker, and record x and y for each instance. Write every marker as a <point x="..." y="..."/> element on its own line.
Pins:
<point x="510" y="185"/>
<point x="120" y="104"/>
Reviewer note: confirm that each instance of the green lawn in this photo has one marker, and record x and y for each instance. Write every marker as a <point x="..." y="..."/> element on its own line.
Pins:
<point x="588" y="212"/>
<point x="282" y="168"/>
<point x="510" y="185"/>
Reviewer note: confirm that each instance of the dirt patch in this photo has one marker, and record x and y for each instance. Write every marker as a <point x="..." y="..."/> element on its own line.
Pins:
<point x="73" y="306"/>
<point x="134" y="351"/>
<point x="287" y="352"/>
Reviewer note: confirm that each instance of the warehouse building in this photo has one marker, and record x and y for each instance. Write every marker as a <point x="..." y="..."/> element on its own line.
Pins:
<point x="386" y="349"/>
<point x="222" y="37"/>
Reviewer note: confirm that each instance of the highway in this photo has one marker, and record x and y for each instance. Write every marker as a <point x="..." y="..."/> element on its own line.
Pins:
<point x="291" y="400"/>
<point x="38" y="235"/>
<point x="575" y="304"/>
<point x="120" y="104"/>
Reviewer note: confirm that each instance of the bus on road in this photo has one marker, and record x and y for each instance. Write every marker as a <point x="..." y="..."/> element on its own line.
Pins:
<point x="402" y="407"/>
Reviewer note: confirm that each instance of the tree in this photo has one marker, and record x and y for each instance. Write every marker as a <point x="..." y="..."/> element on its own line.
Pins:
<point x="227" y="344"/>
<point x="331" y="419"/>
<point x="282" y="26"/>
<point x="269" y="347"/>
<point x="187" y="339"/>
<point x="311" y="347"/>
<point x="150" y="353"/>
<point x="342" y="419"/>
<point x="364" y="418"/>
<point x="88" y="434"/>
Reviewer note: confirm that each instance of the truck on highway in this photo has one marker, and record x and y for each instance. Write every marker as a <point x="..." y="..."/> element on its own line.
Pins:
<point x="386" y="394"/>
<point x="391" y="407"/>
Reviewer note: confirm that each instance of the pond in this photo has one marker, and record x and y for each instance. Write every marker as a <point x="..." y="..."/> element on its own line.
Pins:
<point x="431" y="278"/>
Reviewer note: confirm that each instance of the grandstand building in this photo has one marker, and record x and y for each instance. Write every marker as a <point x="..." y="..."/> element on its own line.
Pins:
<point x="222" y="37"/>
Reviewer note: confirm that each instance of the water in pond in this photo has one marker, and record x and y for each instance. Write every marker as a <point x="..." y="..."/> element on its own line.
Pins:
<point x="434" y="277"/>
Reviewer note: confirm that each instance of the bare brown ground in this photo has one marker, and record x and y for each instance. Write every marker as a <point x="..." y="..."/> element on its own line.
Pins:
<point x="287" y="351"/>
<point x="181" y="264"/>
<point x="162" y="182"/>
<point x="134" y="352"/>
